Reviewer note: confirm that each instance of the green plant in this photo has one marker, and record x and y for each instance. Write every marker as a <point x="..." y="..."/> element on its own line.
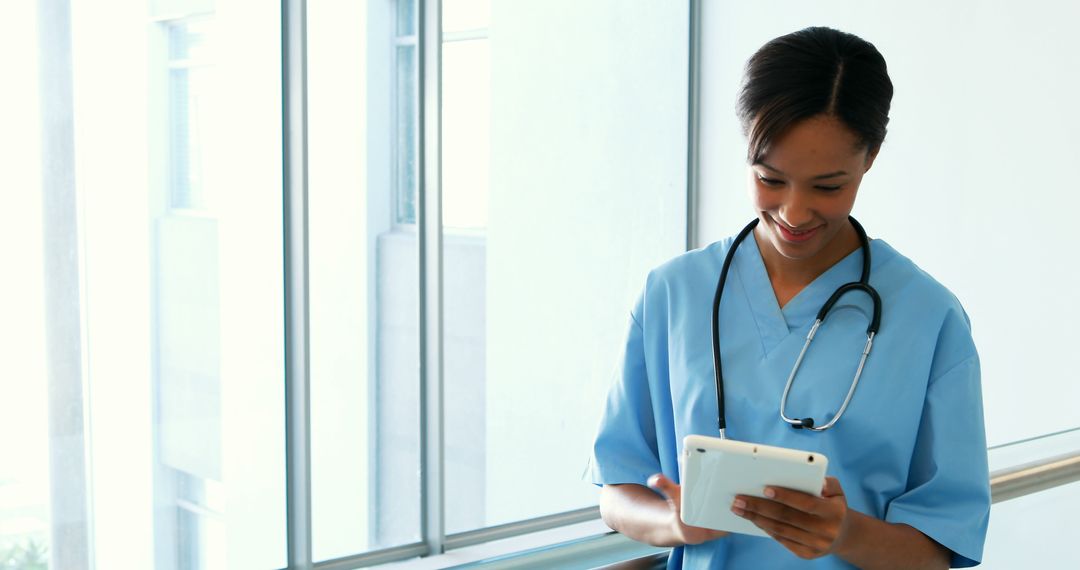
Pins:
<point x="31" y="555"/>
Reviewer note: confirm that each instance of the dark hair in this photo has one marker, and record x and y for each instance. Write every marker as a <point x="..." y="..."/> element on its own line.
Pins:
<point x="811" y="72"/>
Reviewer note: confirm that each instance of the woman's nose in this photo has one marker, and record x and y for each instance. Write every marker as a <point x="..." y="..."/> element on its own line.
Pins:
<point x="795" y="212"/>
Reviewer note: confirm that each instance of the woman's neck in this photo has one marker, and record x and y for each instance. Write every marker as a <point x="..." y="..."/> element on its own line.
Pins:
<point x="789" y="276"/>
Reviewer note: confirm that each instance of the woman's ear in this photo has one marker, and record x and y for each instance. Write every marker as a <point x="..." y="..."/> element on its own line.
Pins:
<point x="870" y="156"/>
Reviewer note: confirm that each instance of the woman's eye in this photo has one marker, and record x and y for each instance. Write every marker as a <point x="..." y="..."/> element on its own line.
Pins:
<point x="829" y="188"/>
<point x="770" y="181"/>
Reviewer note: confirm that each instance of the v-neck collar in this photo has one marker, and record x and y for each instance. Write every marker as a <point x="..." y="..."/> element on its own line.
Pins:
<point x="775" y="324"/>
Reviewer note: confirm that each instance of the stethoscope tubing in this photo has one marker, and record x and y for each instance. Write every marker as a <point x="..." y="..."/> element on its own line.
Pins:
<point x="862" y="285"/>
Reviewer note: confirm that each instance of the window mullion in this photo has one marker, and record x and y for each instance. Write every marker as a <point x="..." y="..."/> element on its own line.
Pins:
<point x="70" y="512"/>
<point x="297" y="309"/>
<point x="432" y="473"/>
<point x="693" y="146"/>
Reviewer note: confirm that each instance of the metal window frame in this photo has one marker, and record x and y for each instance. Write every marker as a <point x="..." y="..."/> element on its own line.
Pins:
<point x="466" y="35"/>
<point x="296" y="302"/>
<point x="693" y="125"/>
<point x="429" y="225"/>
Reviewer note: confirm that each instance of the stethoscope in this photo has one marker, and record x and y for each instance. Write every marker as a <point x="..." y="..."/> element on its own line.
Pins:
<point x="863" y="284"/>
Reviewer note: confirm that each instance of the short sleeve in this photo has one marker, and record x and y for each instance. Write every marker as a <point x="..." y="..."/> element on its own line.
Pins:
<point x="625" y="450"/>
<point x="948" y="496"/>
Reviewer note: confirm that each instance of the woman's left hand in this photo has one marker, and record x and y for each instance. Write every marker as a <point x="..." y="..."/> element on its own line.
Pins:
<point x="809" y="526"/>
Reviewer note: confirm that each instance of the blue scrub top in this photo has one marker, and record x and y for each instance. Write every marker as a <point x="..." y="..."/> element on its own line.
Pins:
<point x="911" y="447"/>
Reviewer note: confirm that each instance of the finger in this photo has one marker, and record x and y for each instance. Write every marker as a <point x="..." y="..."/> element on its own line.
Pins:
<point x="779" y="529"/>
<point x="832" y="488"/>
<point x="796" y="499"/>
<point x="665" y="486"/>
<point x="774" y="510"/>
<point x="800" y="550"/>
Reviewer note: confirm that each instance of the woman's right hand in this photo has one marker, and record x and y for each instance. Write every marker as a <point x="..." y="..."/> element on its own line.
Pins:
<point x="683" y="532"/>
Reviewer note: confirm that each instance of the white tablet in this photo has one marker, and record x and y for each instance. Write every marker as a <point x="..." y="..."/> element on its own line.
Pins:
<point x="715" y="470"/>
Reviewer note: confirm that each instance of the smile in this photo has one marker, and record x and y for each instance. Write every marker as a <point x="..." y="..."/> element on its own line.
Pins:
<point x="795" y="235"/>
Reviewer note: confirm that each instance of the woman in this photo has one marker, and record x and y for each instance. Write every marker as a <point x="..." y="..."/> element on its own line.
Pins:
<point x="908" y="482"/>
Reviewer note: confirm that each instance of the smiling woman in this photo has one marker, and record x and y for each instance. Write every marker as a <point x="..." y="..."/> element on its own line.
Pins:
<point x="804" y="214"/>
<point x="908" y="482"/>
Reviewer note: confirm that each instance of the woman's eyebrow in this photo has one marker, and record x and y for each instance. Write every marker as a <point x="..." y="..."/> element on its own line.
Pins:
<point x="818" y="177"/>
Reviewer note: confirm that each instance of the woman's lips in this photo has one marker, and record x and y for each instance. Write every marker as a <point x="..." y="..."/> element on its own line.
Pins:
<point x="796" y="236"/>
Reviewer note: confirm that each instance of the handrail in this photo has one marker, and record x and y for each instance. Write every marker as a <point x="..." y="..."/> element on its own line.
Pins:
<point x="1005" y="485"/>
<point x="1029" y="478"/>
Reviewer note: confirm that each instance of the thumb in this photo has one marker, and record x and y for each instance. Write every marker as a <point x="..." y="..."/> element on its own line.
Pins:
<point x="832" y="488"/>
<point x="665" y="486"/>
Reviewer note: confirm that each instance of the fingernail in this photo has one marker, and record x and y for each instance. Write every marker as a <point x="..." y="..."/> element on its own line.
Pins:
<point x="769" y="492"/>
<point x="738" y="511"/>
<point x="739" y="504"/>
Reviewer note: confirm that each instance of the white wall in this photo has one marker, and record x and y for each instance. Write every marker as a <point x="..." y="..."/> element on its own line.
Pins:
<point x="974" y="182"/>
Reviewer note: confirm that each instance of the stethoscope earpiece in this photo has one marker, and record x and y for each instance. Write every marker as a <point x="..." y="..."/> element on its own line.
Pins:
<point x="807" y="423"/>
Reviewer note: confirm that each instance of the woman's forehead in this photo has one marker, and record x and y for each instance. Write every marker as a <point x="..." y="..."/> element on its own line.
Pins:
<point x="814" y="147"/>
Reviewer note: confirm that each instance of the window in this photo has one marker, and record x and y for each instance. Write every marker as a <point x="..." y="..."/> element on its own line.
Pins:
<point x="189" y="83"/>
<point x="153" y="371"/>
<point x="364" y="285"/>
<point x="154" y="340"/>
<point x="548" y="232"/>
<point x="405" y="111"/>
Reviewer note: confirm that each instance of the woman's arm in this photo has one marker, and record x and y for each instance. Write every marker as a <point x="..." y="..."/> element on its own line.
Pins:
<point x="644" y="516"/>
<point x="873" y="543"/>
<point x="812" y="527"/>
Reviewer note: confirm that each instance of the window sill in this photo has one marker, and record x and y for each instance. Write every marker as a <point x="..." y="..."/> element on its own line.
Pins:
<point x="585" y="545"/>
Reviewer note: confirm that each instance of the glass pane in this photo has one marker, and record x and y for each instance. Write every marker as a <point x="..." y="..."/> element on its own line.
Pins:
<point x="467" y="132"/>
<point x="1029" y="531"/>
<point x="1034" y="531"/>
<point x="25" y="506"/>
<point x="1020" y="452"/>
<point x="364" y="280"/>
<point x="557" y="200"/>
<point x="405" y="142"/>
<point x="188" y="39"/>
<point x="215" y="294"/>
<point x="405" y="20"/>
<point x="189" y="85"/>
<point x="466" y="167"/>
<point x="153" y="412"/>
<point x="466" y="15"/>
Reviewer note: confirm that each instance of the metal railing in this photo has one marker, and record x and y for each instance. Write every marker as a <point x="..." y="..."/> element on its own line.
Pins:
<point x="1029" y="478"/>
<point x="1005" y="485"/>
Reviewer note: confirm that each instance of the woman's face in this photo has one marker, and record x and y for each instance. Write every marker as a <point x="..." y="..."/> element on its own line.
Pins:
<point x="805" y="187"/>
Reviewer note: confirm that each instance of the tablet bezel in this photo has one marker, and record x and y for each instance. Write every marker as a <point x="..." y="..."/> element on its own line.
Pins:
<point x="714" y="470"/>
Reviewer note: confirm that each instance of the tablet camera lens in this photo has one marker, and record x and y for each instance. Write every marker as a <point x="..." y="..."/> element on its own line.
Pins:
<point x="700" y="450"/>
<point x="810" y="458"/>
